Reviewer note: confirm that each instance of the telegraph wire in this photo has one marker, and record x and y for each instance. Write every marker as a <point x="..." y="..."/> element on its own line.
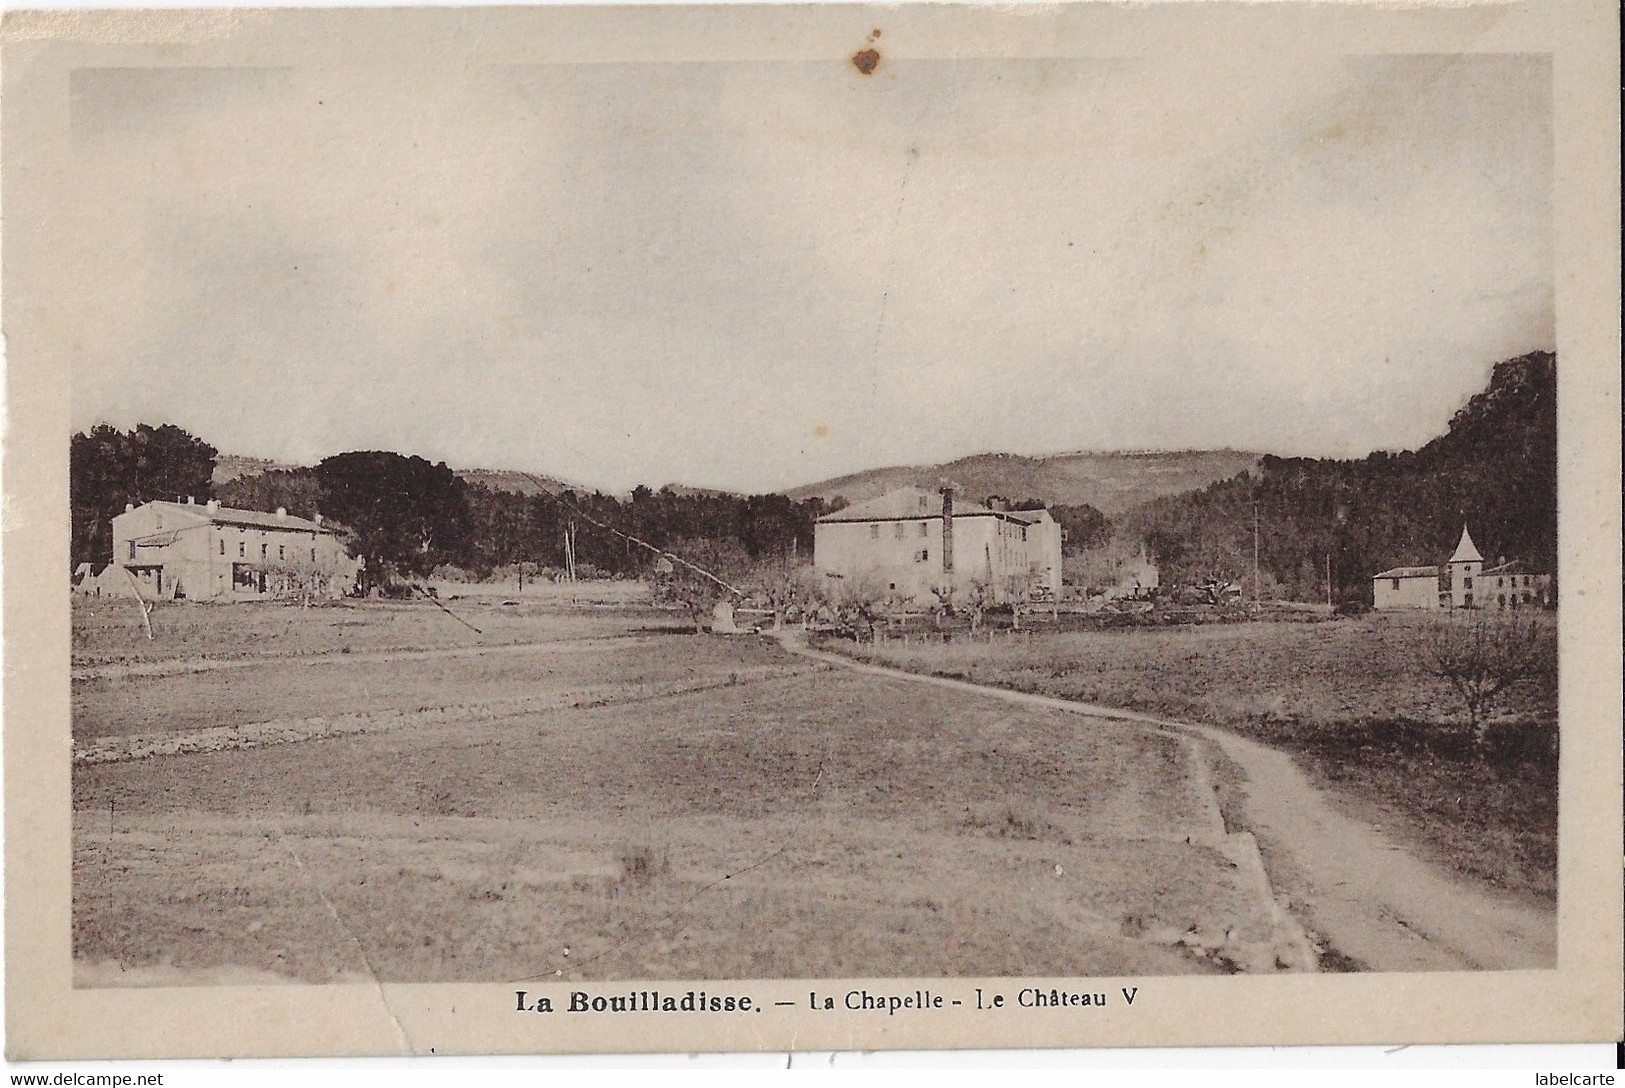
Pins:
<point x="671" y="557"/>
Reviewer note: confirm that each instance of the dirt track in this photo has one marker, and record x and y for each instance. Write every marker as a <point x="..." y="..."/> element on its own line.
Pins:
<point x="1364" y="896"/>
<point x="1373" y="900"/>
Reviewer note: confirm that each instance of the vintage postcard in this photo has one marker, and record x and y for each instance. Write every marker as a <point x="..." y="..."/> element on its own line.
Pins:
<point x="588" y="529"/>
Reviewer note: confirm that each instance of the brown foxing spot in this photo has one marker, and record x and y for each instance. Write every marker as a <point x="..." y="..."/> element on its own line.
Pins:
<point x="866" y="60"/>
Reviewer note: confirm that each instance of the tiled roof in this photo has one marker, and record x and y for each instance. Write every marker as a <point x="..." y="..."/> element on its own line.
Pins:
<point x="1409" y="572"/>
<point x="907" y="503"/>
<point x="258" y="519"/>
<point x="1514" y="566"/>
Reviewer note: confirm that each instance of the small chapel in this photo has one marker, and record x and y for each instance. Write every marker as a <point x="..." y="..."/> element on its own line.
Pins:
<point x="1464" y="581"/>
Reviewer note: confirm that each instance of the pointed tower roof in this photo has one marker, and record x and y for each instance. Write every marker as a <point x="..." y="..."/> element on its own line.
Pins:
<point x="1466" y="552"/>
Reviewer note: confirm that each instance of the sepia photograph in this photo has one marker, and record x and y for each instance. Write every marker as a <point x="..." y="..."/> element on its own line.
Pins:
<point x="829" y="522"/>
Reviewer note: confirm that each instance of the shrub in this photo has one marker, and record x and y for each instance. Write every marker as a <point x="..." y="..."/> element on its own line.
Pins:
<point x="1510" y="744"/>
<point x="641" y="864"/>
<point x="1486" y="656"/>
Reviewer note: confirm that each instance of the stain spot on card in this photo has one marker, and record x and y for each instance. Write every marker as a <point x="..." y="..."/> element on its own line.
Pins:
<point x="866" y="60"/>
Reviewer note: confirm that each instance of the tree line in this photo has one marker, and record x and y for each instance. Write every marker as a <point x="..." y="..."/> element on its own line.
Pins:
<point x="1494" y="470"/>
<point x="406" y="516"/>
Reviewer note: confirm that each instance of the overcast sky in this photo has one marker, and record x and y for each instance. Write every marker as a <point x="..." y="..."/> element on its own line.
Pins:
<point x="757" y="275"/>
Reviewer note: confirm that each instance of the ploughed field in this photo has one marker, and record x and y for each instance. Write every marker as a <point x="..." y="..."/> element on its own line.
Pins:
<point x="1355" y="700"/>
<point x="641" y="806"/>
<point x="108" y="632"/>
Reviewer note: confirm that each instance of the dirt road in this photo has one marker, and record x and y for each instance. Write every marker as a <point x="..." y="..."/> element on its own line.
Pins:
<point x="1369" y="897"/>
<point x="1360" y="894"/>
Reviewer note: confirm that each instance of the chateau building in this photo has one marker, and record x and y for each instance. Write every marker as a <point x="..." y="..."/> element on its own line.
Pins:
<point x="915" y="542"/>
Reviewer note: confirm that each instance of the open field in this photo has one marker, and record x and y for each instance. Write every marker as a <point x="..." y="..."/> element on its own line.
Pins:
<point x="789" y="821"/>
<point x="282" y="688"/>
<point x="1354" y="700"/>
<point x="108" y="630"/>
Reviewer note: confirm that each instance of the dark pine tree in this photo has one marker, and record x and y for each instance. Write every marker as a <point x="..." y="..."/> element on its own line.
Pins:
<point x="404" y="514"/>
<point x="109" y="468"/>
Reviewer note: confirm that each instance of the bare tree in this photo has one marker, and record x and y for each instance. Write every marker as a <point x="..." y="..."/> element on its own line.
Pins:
<point x="975" y="601"/>
<point x="785" y="588"/>
<point x="858" y="600"/>
<point x="1484" y="657"/>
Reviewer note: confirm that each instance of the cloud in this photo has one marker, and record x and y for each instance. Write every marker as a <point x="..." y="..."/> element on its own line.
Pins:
<point x="757" y="274"/>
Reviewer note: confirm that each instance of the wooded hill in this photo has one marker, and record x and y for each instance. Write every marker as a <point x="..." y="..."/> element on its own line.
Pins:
<point x="1110" y="482"/>
<point x="1494" y="470"/>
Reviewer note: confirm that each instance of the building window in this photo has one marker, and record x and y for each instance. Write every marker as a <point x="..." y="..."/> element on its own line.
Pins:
<point x="265" y="550"/>
<point x="281" y="552"/>
<point x="922" y="556"/>
<point x="900" y="530"/>
<point x="874" y="532"/>
<point x="132" y="549"/>
<point x="313" y="555"/>
<point x="222" y="545"/>
<point x="1395" y="581"/>
<point x="924" y="528"/>
<point x="242" y="550"/>
<point x="1467" y="583"/>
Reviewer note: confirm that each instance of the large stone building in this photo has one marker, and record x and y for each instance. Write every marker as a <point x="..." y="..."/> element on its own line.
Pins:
<point x="205" y="551"/>
<point x="915" y="542"/>
<point x="1463" y="581"/>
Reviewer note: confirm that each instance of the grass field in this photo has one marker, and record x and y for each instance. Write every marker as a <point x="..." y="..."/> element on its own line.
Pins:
<point x="1354" y="699"/>
<point x="793" y="821"/>
<point x="109" y="631"/>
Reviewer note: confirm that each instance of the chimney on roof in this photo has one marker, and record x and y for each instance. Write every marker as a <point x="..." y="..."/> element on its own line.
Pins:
<point x="128" y="507"/>
<point x="282" y="513"/>
<point x="948" y="529"/>
<point x="318" y="519"/>
<point x="214" y="506"/>
<point x="188" y="500"/>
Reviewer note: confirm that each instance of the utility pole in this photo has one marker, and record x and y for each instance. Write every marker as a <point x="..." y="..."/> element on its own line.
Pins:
<point x="1257" y="590"/>
<point x="1328" y="579"/>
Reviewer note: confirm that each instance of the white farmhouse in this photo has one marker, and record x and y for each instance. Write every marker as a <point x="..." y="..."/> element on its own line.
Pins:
<point x="205" y="551"/>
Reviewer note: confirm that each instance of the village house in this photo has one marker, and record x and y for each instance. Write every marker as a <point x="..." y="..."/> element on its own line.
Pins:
<point x="1463" y="581"/>
<point x="914" y="542"/>
<point x="205" y="551"/>
<point x="1406" y="587"/>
